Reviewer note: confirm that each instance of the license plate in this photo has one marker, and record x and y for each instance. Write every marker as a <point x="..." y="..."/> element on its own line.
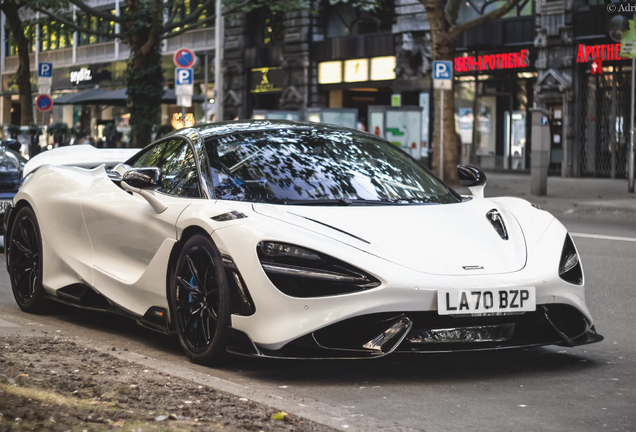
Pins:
<point x="4" y="204"/>
<point x="479" y="301"/>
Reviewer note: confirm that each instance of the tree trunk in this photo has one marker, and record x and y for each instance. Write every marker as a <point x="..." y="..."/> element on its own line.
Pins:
<point x="443" y="49"/>
<point x="23" y="76"/>
<point x="144" y="81"/>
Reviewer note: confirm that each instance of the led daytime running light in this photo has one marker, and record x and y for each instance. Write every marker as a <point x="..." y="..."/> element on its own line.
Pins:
<point x="273" y="249"/>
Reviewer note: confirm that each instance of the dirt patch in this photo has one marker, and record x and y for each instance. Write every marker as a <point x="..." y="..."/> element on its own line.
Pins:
<point x="54" y="384"/>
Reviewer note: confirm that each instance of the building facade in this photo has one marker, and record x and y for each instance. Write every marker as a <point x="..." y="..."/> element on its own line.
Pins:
<point x="543" y="53"/>
<point x="83" y="63"/>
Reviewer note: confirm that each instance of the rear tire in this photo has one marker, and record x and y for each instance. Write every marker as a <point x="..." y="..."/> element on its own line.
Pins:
<point x="24" y="248"/>
<point x="200" y="302"/>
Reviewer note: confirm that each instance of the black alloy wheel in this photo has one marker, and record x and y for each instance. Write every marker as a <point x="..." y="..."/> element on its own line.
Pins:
<point x="200" y="302"/>
<point x="24" y="248"/>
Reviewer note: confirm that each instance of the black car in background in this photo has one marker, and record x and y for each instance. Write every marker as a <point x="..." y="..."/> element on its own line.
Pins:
<point x="11" y="166"/>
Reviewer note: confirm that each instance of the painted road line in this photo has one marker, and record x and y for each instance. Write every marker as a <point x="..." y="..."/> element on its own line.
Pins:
<point x="603" y="237"/>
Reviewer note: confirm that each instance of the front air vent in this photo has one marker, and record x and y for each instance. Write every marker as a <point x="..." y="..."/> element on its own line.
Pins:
<point x="497" y="222"/>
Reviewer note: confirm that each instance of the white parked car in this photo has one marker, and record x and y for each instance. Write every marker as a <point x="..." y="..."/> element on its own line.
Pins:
<point x="299" y="240"/>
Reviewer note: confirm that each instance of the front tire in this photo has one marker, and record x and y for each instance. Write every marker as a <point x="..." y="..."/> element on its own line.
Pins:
<point x="200" y="302"/>
<point x="24" y="248"/>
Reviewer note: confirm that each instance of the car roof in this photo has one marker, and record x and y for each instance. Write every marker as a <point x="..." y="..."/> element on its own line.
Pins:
<point x="211" y="130"/>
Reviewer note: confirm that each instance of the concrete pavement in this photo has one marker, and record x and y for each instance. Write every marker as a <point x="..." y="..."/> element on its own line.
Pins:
<point x="567" y="196"/>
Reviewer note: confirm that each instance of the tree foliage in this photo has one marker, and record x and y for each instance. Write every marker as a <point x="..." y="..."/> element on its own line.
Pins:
<point x="142" y="24"/>
<point x="12" y="11"/>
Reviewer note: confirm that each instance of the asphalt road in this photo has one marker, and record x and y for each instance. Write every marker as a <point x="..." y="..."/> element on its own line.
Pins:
<point x="590" y="388"/>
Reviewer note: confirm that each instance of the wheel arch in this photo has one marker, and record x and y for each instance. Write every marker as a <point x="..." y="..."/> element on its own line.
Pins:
<point x="12" y="215"/>
<point x="186" y="234"/>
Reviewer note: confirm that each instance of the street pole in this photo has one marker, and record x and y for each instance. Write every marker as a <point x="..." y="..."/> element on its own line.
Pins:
<point x="205" y="92"/>
<point x="218" y="60"/>
<point x="441" y="139"/>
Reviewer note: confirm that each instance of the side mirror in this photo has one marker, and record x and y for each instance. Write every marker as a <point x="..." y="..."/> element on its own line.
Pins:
<point x="142" y="178"/>
<point x="142" y="181"/>
<point x="121" y="169"/>
<point x="472" y="178"/>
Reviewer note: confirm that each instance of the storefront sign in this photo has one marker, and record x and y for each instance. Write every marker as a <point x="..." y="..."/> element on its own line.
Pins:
<point x="587" y="53"/>
<point x="597" y="66"/>
<point x="356" y="70"/>
<point x="491" y="62"/>
<point x="267" y="80"/>
<point x="330" y="72"/>
<point x="84" y="74"/>
<point x="382" y="68"/>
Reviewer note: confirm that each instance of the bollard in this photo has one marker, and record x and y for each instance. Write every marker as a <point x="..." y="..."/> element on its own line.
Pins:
<point x="540" y="159"/>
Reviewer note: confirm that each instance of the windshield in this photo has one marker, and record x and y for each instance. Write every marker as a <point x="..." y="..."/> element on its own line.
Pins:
<point x="339" y="167"/>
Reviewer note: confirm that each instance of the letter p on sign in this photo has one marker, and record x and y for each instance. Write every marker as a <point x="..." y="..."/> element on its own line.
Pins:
<point x="440" y="70"/>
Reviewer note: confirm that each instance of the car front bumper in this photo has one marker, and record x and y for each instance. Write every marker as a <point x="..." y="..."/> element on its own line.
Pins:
<point x="377" y="335"/>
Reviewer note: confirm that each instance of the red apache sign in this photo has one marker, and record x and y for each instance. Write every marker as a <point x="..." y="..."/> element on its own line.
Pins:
<point x="491" y="62"/>
<point x="587" y="53"/>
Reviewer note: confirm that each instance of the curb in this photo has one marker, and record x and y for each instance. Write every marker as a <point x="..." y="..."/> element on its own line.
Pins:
<point x="322" y="412"/>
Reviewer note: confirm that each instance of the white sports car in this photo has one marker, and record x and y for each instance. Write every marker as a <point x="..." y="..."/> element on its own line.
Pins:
<point x="299" y="240"/>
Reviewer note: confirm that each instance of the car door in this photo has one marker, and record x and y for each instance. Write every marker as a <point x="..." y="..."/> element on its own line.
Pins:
<point x="131" y="241"/>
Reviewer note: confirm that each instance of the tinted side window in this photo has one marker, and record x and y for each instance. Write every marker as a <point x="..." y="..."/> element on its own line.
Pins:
<point x="151" y="158"/>
<point x="178" y="171"/>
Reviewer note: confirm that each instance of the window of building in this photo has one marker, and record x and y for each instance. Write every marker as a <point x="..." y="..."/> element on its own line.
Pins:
<point x="267" y="27"/>
<point x="54" y="35"/>
<point x="345" y="20"/>
<point x="10" y="46"/>
<point x="189" y="6"/>
<point x="97" y="24"/>
<point x="472" y="9"/>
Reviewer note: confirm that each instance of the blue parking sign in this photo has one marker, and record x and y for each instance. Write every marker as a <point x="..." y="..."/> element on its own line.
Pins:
<point x="443" y="70"/>
<point x="184" y="76"/>
<point x="45" y="70"/>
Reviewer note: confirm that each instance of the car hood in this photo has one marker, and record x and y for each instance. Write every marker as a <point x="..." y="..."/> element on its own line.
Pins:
<point x="449" y="239"/>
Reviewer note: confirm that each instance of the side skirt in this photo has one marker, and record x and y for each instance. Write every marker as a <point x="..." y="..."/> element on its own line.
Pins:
<point x="84" y="297"/>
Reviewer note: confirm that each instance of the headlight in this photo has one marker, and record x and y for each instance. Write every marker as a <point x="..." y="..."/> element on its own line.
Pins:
<point x="570" y="269"/>
<point x="301" y="272"/>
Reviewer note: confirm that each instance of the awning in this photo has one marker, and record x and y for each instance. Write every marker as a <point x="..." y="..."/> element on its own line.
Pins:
<point x="99" y="96"/>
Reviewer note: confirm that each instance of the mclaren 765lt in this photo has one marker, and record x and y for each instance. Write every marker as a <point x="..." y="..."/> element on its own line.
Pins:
<point x="295" y="240"/>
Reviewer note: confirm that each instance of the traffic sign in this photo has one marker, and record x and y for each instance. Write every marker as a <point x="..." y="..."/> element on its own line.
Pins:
<point x="184" y="76"/>
<point x="45" y="73"/>
<point x="44" y="103"/>
<point x="184" y="101"/>
<point x="442" y="75"/>
<point x="45" y="70"/>
<point x="184" y="58"/>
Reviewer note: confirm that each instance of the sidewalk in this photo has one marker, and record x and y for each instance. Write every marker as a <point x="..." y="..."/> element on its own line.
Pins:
<point x="580" y="196"/>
